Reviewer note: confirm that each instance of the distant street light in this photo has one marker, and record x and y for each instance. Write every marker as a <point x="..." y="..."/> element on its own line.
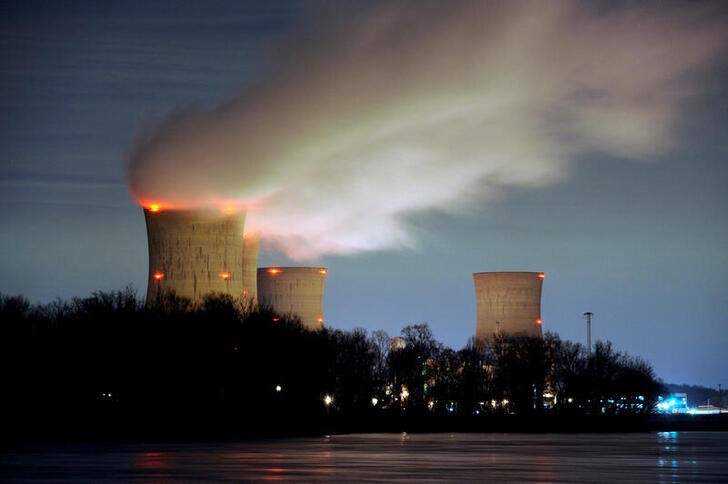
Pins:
<point x="328" y="400"/>
<point x="278" y="388"/>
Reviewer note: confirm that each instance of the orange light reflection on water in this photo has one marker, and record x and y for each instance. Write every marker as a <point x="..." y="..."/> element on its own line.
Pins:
<point x="152" y="461"/>
<point x="274" y="474"/>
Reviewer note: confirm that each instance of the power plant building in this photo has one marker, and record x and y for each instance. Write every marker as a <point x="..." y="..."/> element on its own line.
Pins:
<point x="297" y="291"/>
<point x="508" y="303"/>
<point x="194" y="253"/>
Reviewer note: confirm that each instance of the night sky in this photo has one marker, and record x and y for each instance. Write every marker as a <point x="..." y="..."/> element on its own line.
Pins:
<point x="404" y="148"/>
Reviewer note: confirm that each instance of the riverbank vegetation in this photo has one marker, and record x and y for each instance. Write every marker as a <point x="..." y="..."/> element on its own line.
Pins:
<point x="108" y="358"/>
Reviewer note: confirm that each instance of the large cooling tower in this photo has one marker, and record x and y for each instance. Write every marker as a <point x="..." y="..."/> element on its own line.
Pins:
<point x="509" y="303"/>
<point x="251" y="248"/>
<point x="294" y="290"/>
<point x="194" y="253"/>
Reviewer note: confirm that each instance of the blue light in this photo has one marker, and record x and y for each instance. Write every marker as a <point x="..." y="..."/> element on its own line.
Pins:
<point x="672" y="403"/>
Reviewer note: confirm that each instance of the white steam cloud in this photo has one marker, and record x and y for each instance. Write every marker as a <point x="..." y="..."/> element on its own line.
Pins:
<point x="406" y="107"/>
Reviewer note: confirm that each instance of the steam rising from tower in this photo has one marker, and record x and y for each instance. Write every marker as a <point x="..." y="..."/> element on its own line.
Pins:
<point x="372" y="114"/>
<point x="508" y="303"/>
<point x="194" y="253"/>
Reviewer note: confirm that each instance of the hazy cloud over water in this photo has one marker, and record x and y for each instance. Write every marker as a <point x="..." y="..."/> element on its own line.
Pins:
<point x="370" y="115"/>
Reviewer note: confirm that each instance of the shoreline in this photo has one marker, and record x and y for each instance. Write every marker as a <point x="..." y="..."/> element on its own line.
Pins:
<point x="226" y="427"/>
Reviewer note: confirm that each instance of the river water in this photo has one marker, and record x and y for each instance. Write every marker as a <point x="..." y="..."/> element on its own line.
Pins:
<point x="638" y="457"/>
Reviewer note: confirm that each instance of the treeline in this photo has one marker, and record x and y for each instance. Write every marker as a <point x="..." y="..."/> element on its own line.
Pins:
<point x="109" y="354"/>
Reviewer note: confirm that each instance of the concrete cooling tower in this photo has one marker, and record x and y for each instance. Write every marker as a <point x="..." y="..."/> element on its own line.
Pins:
<point x="194" y="253"/>
<point x="294" y="290"/>
<point x="508" y="303"/>
<point x="251" y="249"/>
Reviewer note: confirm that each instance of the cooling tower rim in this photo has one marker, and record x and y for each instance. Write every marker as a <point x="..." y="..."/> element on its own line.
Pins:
<point x="289" y="268"/>
<point x="535" y="273"/>
<point x="202" y="215"/>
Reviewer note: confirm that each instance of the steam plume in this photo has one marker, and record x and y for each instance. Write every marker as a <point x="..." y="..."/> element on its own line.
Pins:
<point x="410" y="107"/>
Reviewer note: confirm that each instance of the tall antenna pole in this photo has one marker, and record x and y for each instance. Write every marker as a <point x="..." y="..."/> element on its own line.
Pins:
<point x="588" y="330"/>
<point x="720" y="396"/>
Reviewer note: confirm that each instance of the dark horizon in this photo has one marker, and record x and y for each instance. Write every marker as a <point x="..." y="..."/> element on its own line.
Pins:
<point x="19" y="301"/>
<point x="110" y="366"/>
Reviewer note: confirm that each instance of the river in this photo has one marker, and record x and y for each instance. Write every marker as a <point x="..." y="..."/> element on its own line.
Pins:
<point x="629" y="457"/>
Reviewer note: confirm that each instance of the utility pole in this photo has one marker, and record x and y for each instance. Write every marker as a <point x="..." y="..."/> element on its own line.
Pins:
<point x="720" y="396"/>
<point x="588" y="316"/>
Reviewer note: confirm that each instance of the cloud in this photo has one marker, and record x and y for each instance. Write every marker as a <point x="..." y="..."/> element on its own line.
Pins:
<point x="371" y="115"/>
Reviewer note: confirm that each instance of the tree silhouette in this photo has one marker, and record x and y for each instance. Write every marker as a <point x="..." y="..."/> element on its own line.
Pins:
<point x="110" y="357"/>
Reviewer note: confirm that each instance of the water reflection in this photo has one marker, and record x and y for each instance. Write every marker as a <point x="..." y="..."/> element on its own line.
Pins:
<point x="151" y="461"/>
<point x="648" y="457"/>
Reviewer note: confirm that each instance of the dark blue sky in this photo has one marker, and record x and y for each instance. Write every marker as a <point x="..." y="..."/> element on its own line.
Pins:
<point x="641" y="243"/>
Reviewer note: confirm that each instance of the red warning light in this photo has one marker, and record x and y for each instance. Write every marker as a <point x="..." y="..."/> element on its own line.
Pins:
<point x="320" y="321"/>
<point x="275" y="320"/>
<point x="245" y="292"/>
<point x="224" y="276"/>
<point x="274" y="271"/>
<point x="158" y="276"/>
<point x="538" y="321"/>
<point x="323" y="271"/>
<point x="541" y="275"/>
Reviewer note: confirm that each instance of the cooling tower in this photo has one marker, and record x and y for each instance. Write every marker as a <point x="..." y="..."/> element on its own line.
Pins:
<point x="294" y="290"/>
<point x="194" y="253"/>
<point x="509" y="303"/>
<point x="251" y="248"/>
